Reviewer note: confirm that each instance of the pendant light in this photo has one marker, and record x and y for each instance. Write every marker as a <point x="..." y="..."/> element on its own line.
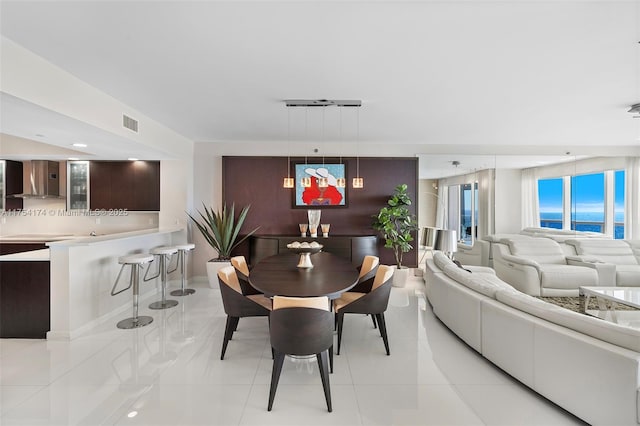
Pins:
<point x="288" y="181"/>
<point x="305" y="181"/>
<point x="323" y="181"/>
<point x="358" y="181"/>
<point x="341" y="182"/>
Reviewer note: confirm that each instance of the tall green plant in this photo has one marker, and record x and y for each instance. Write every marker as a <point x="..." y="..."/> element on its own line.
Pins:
<point x="221" y="229"/>
<point x="395" y="222"/>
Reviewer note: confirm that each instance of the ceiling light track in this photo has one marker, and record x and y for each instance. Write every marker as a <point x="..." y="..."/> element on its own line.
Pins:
<point x="322" y="103"/>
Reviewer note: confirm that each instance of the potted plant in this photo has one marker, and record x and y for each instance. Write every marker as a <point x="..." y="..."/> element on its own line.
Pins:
<point x="221" y="230"/>
<point x="395" y="223"/>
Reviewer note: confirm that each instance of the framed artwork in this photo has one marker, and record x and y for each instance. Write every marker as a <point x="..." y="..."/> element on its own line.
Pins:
<point x="314" y="195"/>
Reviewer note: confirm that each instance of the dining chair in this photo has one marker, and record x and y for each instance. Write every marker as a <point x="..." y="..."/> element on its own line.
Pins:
<point x="375" y="303"/>
<point x="301" y="326"/>
<point x="236" y="305"/>
<point x="367" y="274"/>
<point x="242" y="270"/>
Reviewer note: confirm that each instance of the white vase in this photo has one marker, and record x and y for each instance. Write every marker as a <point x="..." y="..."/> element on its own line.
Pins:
<point x="212" y="271"/>
<point x="400" y="276"/>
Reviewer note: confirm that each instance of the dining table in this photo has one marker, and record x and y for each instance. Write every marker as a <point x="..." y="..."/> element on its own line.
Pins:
<point x="279" y="275"/>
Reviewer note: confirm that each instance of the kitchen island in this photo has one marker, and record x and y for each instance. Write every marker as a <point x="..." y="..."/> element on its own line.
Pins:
<point x="83" y="271"/>
<point x="61" y="291"/>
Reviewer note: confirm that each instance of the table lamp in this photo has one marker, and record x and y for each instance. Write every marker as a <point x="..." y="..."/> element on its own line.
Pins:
<point x="446" y="242"/>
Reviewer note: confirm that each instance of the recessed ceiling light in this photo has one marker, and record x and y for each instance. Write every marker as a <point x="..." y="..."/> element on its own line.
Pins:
<point x="80" y="145"/>
<point x="40" y="135"/>
<point x="132" y="159"/>
<point x="73" y="158"/>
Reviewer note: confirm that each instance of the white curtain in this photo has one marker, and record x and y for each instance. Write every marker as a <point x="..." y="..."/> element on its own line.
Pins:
<point x="486" y="203"/>
<point x="632" y="199"/>
<point x="441" y="209"/>
<point x="530" y="204"/>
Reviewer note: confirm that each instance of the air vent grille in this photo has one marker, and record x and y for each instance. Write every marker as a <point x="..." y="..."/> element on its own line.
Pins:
<point x="130" y="123"/>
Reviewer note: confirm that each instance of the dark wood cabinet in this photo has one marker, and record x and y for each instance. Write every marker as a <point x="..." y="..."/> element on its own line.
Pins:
<point x="24" y="299"/>
<point x="19" y="247"/>
<point x="131" y="185"/>
<point x="13" y="184"/>
<point x="354" y="248"/>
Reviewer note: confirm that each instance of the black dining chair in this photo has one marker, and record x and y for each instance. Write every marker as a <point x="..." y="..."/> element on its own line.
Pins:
<point x="301" y="326"/>
<point x="365" y="279"/>
<point x="375" y="303"/>
<point x="242" y="270"/>
<point x="236" y="305"/>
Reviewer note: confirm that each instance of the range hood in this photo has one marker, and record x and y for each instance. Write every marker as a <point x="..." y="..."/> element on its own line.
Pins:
<point x="44" y="180"/>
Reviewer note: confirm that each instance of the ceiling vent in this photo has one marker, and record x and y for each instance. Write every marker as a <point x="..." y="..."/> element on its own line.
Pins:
<point x="130" y="123"/>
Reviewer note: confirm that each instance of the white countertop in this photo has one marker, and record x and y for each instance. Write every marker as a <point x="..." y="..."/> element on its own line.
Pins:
<point x="79" y="241"/>
<point x="36" y="237"/>
<point x="41" y="255"/>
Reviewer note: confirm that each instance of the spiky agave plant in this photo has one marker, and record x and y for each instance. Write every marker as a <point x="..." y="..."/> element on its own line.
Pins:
<point x="221" y="228"/>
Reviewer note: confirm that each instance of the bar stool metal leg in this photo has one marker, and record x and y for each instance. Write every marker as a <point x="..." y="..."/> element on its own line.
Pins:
<point x="135" y="321"/>
<point x="182" y="255"/>
<point x="164" y="303"/>
<point x="134" y="261"/>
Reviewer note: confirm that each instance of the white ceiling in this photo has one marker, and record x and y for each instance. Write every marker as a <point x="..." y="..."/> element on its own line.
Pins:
<point x="437" y="78"/>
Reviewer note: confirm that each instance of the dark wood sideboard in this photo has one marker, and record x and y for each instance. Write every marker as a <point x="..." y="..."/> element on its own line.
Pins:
<point x="352" y="247"/>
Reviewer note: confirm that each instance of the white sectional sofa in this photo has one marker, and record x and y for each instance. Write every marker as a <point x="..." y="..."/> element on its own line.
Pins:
<point x="588" y="366"/>
<point x="619" y="253"/>
<point x="540" y="267"/>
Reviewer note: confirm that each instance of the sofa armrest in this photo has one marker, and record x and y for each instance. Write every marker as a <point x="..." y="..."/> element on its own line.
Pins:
<point x="606" y="271"/>
<point x="517" y="260"/>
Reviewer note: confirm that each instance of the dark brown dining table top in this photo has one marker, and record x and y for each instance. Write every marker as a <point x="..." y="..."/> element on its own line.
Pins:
<point x="279" y="275"/>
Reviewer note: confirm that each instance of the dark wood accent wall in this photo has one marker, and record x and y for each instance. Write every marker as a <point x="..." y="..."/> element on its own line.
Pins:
<point x="258" y="181"/>
<point x="13" y="185"/>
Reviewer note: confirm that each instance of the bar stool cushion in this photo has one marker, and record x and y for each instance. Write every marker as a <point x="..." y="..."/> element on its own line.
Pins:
<point x="135" y="258"/>
<point x="185" y="247"/>
<point x="163" y="250"/>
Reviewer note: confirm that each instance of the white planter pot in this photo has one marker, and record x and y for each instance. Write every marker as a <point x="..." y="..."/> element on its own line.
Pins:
<point x="400" y="276"/>
<point x="212" y="272"/>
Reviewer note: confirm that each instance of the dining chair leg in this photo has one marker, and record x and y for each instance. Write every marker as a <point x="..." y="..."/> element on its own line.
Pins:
<point x="373" y="318"/>
<point x="228" y="332"/>
<point x="275" y="377"/>
<point x="383" y="331"/>
<point x="331" y="360"/>
<point x="340" y="320"/>
<point x="324" y="375"/>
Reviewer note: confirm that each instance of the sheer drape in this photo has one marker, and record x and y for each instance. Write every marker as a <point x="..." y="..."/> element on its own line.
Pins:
<point x="632" y="199"/>
<point x="486" y="203"/>
<point x="443" y="201"/>
<point x="530" y="204"/>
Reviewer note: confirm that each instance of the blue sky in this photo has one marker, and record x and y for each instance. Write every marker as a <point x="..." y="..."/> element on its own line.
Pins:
<point x="588" y="193"/>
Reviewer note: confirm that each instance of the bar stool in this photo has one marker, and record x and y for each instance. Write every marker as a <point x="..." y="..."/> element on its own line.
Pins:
<point x="135" y="261"/>
<point x="163" y="253"/>
<point x="182" y="258"/>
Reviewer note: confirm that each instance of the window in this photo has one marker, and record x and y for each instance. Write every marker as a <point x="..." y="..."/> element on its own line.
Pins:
<point x="550" y="198"/>
<point x="618" y="204"/>
<point x="468" y="213"/>
<point x="587" y="202"/>
<point x="596" y="203"/>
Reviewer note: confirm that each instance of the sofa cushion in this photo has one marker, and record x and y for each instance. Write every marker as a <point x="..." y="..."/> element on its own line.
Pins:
<point x="441" y="260"/>
<point x="625" y="337"/>
<point x="617" y="252"/>
<point x="541" y="250"/>
<point x="485" y="283"/>
<point x="567" y="276"/>
<point x="628" y="275"/>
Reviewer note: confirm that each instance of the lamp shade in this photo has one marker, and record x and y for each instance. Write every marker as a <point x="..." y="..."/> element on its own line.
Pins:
<point x="428" y="237"/>
<point x="446" y="241"/>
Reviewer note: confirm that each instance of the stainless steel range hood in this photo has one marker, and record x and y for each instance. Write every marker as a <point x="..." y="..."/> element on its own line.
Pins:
<point x="44" y="180"/>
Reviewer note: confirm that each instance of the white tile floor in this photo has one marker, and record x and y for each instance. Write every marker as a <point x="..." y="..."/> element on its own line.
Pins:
<point x="169" y="373"/>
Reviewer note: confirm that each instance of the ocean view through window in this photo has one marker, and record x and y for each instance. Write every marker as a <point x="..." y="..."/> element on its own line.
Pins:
<point x="587" y="207"/>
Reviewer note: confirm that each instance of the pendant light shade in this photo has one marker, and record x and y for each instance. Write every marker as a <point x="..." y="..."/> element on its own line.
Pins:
<point x="288" y="182"/>
<point x="358" y="181"/>
<point x="341" y="182"/>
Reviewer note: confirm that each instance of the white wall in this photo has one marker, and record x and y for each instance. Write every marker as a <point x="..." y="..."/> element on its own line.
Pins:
<point x="427" y="203"/>
<point x="508" y="205"/>
<point x="207" y="190"/>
